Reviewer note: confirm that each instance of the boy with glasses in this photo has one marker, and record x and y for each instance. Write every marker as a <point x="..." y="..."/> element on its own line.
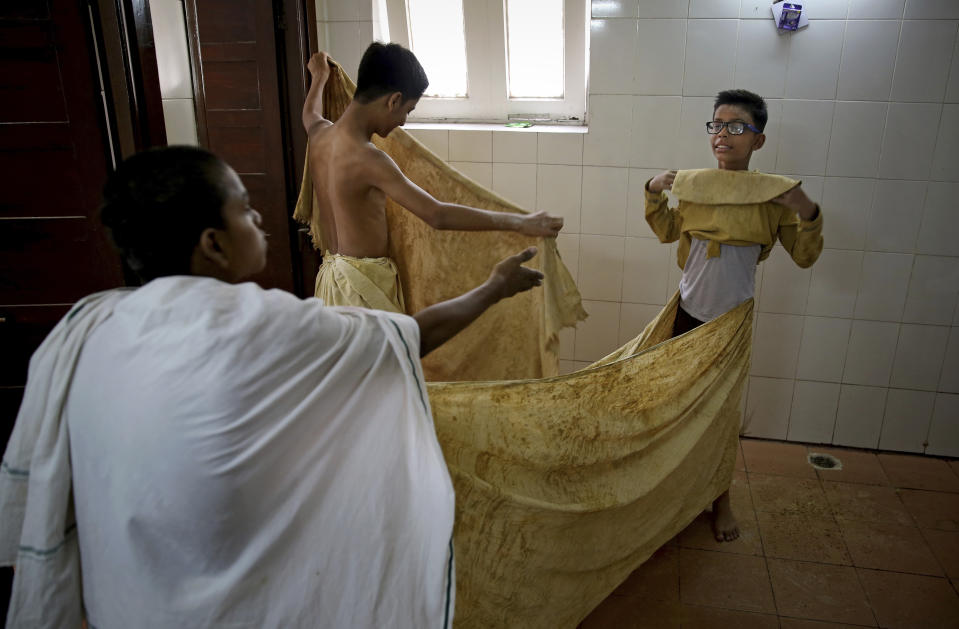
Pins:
<point x="728" y="220"/>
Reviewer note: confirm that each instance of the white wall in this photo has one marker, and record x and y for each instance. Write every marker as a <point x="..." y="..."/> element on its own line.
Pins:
<point x="173" y="64"/>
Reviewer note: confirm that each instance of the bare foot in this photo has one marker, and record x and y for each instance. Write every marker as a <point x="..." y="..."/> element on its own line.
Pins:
<point x="725" y="527"/>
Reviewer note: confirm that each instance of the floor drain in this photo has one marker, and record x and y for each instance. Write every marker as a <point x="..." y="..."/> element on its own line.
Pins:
<point x="824" y="461"/>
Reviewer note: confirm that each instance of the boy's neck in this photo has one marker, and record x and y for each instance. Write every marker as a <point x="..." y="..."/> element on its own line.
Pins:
<point x="358" y="122"/>
<point x="742" y="165"/>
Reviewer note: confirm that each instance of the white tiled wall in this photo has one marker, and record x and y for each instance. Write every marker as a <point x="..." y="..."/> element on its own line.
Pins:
<point x="173" y="64"/>
<point x="863" y="348"/>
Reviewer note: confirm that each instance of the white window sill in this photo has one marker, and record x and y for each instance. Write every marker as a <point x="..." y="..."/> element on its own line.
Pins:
<point x="484" y="126"/>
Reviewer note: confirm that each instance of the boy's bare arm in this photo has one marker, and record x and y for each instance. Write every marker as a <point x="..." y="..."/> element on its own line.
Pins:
<point x="388" y="177"/>
<point x="441" y="322"/>
<point x="319" y="68"/>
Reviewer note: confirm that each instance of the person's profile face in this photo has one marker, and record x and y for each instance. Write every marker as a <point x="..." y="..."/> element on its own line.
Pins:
<point x="245" y="241"/>
<point x="400" y="109"/>
<point x="729" y="148"/>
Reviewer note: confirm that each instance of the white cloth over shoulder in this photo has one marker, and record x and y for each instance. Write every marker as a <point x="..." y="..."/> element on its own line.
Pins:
<point x="242" y="458"/>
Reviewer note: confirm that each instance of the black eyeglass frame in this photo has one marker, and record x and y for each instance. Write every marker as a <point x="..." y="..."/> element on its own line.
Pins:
<point x="723" y="124"/>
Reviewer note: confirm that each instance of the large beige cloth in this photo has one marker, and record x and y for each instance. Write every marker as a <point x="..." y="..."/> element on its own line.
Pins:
<point x="566" y="484"/>
<point x="516" y="338"/>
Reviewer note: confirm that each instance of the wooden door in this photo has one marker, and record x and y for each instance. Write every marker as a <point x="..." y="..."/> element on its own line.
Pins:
<point x="234" y="52"/>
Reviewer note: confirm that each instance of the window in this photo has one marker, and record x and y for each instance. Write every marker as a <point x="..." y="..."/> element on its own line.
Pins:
<point x="495" y="60"/>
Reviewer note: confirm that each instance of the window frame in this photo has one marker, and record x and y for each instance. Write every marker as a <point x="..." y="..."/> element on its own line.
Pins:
<point x="487" y="88"/>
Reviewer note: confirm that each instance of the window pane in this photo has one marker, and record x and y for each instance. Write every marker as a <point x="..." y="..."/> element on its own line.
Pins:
<point x="437" y="39"/>
<point x="535" y="44"/>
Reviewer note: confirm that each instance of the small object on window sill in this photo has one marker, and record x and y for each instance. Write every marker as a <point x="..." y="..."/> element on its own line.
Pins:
<point x="519" y="125"/>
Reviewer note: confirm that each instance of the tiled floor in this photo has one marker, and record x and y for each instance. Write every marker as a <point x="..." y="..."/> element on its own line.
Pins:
<point x="875" y="544"/>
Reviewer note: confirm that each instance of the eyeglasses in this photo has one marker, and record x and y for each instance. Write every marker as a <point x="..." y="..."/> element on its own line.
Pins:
<point x="735" y="127"/>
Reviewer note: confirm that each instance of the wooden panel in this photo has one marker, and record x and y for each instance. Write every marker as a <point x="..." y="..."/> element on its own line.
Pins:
<point x="231" y="85"/>
<point x="227" y="20"/>
<point x="30" y="90"/>
<point x="240" y="147"/>
<point x="22" y="329"/>
<point x="31" y="154"/>
<point x="25" y="10"/>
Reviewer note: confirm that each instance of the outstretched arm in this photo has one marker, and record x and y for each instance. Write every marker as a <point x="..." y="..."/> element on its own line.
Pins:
<point x="441" y="322"/>
<point x="388" y="177"/>
<point x="319" y="68"/>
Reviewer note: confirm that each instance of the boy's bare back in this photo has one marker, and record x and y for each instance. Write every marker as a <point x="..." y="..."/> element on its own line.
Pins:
<point x="352" y="209"/>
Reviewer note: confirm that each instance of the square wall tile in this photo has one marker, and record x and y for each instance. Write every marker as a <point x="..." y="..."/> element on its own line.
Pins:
<point x="693" y="140"/>
<point x="710" y="59"/>
<point x="713" y="9"/>
<point x="471" y="146"/>
<point x="933" y="290"/>
<point x="768" y="403"/>
<point x="859" y="417"/>
<point x="655" y="131"/>
<point x="949" y="378"/>
<point x="813" y="67"/>
<point x="611" y="41"/>
<point x="776" y="350"/>
<point x="834" y="282"/>
<point x="179" y="118"/>
<point x="883" y="286"/>
<point x="764" y="159"/>
<point x="518" y="147"/>
<point x="945" y="161"/>
<point x="909" y="141"/>
<point x="604" y="200"/>
<point x="876" y="9"/>
<point x="872" y="348"/>
<point x="813" y="414"/>
<point x="601" y="268"/>
<point x="807" y="151"/>
<point x="831" y="10"/>
<point x="568" y="247"/>
<point x="868" y="59"/>
<point x="931" y="10"/>
<point x="558" y="191"/>
<point x="822" y="352"/>
<point x="609" y="118"/>
<point x="761" y="58"/>
<point x="660" y="57"/>
<point x="633" y="319"/>
<point x="636" y="224"/>
<point x="560" y="148"/>
<point x="662" y="8"/>
<point x="516" y="182"/>
<point x="944" y="431"/>
<point x="566" y="367"/>
<point x="348" y="41"/>
<point x="856" y="139"/>
<point x="480" y="172"/>
<point x="922" y="65"/>
<point x="896" y="216"/>
<point x="919" y="356"/>
<point x="645" y="271"/>
<point x="436" y="140"/>
<point x="754" y="10"/>
<point x="952" y="88"/>
<point x="614" y="8"/>
<point x="847" y="204"/>
<point x="172" y="52"/>
<point x="785" y="286"/>
<point x="599" y="334"/>
<point x="906" y="423"/>
<point x="567" y="340"/>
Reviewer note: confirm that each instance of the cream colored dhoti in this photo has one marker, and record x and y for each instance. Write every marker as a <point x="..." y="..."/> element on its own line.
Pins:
<point x="365" y="282"/>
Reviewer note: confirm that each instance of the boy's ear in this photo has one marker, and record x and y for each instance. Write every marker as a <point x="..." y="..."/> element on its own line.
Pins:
<point x="759" y="141"/>
<point x="394" y="101"/>
<point x="211" y="248"/>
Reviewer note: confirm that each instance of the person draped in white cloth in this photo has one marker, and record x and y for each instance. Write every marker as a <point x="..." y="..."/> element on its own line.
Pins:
<point x="199" y="452"/>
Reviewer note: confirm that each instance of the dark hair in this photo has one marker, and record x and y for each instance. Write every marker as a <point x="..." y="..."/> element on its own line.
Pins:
<point x="157" y="203"/>
<point x="752" y="103"/>
<point x="388" y="68"/>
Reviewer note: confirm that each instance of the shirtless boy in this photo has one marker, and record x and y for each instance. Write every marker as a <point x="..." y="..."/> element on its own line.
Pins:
<point x="353" y="178"/>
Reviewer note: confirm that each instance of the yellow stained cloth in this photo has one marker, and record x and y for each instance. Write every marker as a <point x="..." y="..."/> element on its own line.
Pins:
<point x="365" y="282"/>
<point x="565" y="485"/>
<point x="516" y="338"/>
<point x="733" y="207"/>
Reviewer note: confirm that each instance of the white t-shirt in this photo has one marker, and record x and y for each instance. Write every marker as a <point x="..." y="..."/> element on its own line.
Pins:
<point x="713" y="286"/>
